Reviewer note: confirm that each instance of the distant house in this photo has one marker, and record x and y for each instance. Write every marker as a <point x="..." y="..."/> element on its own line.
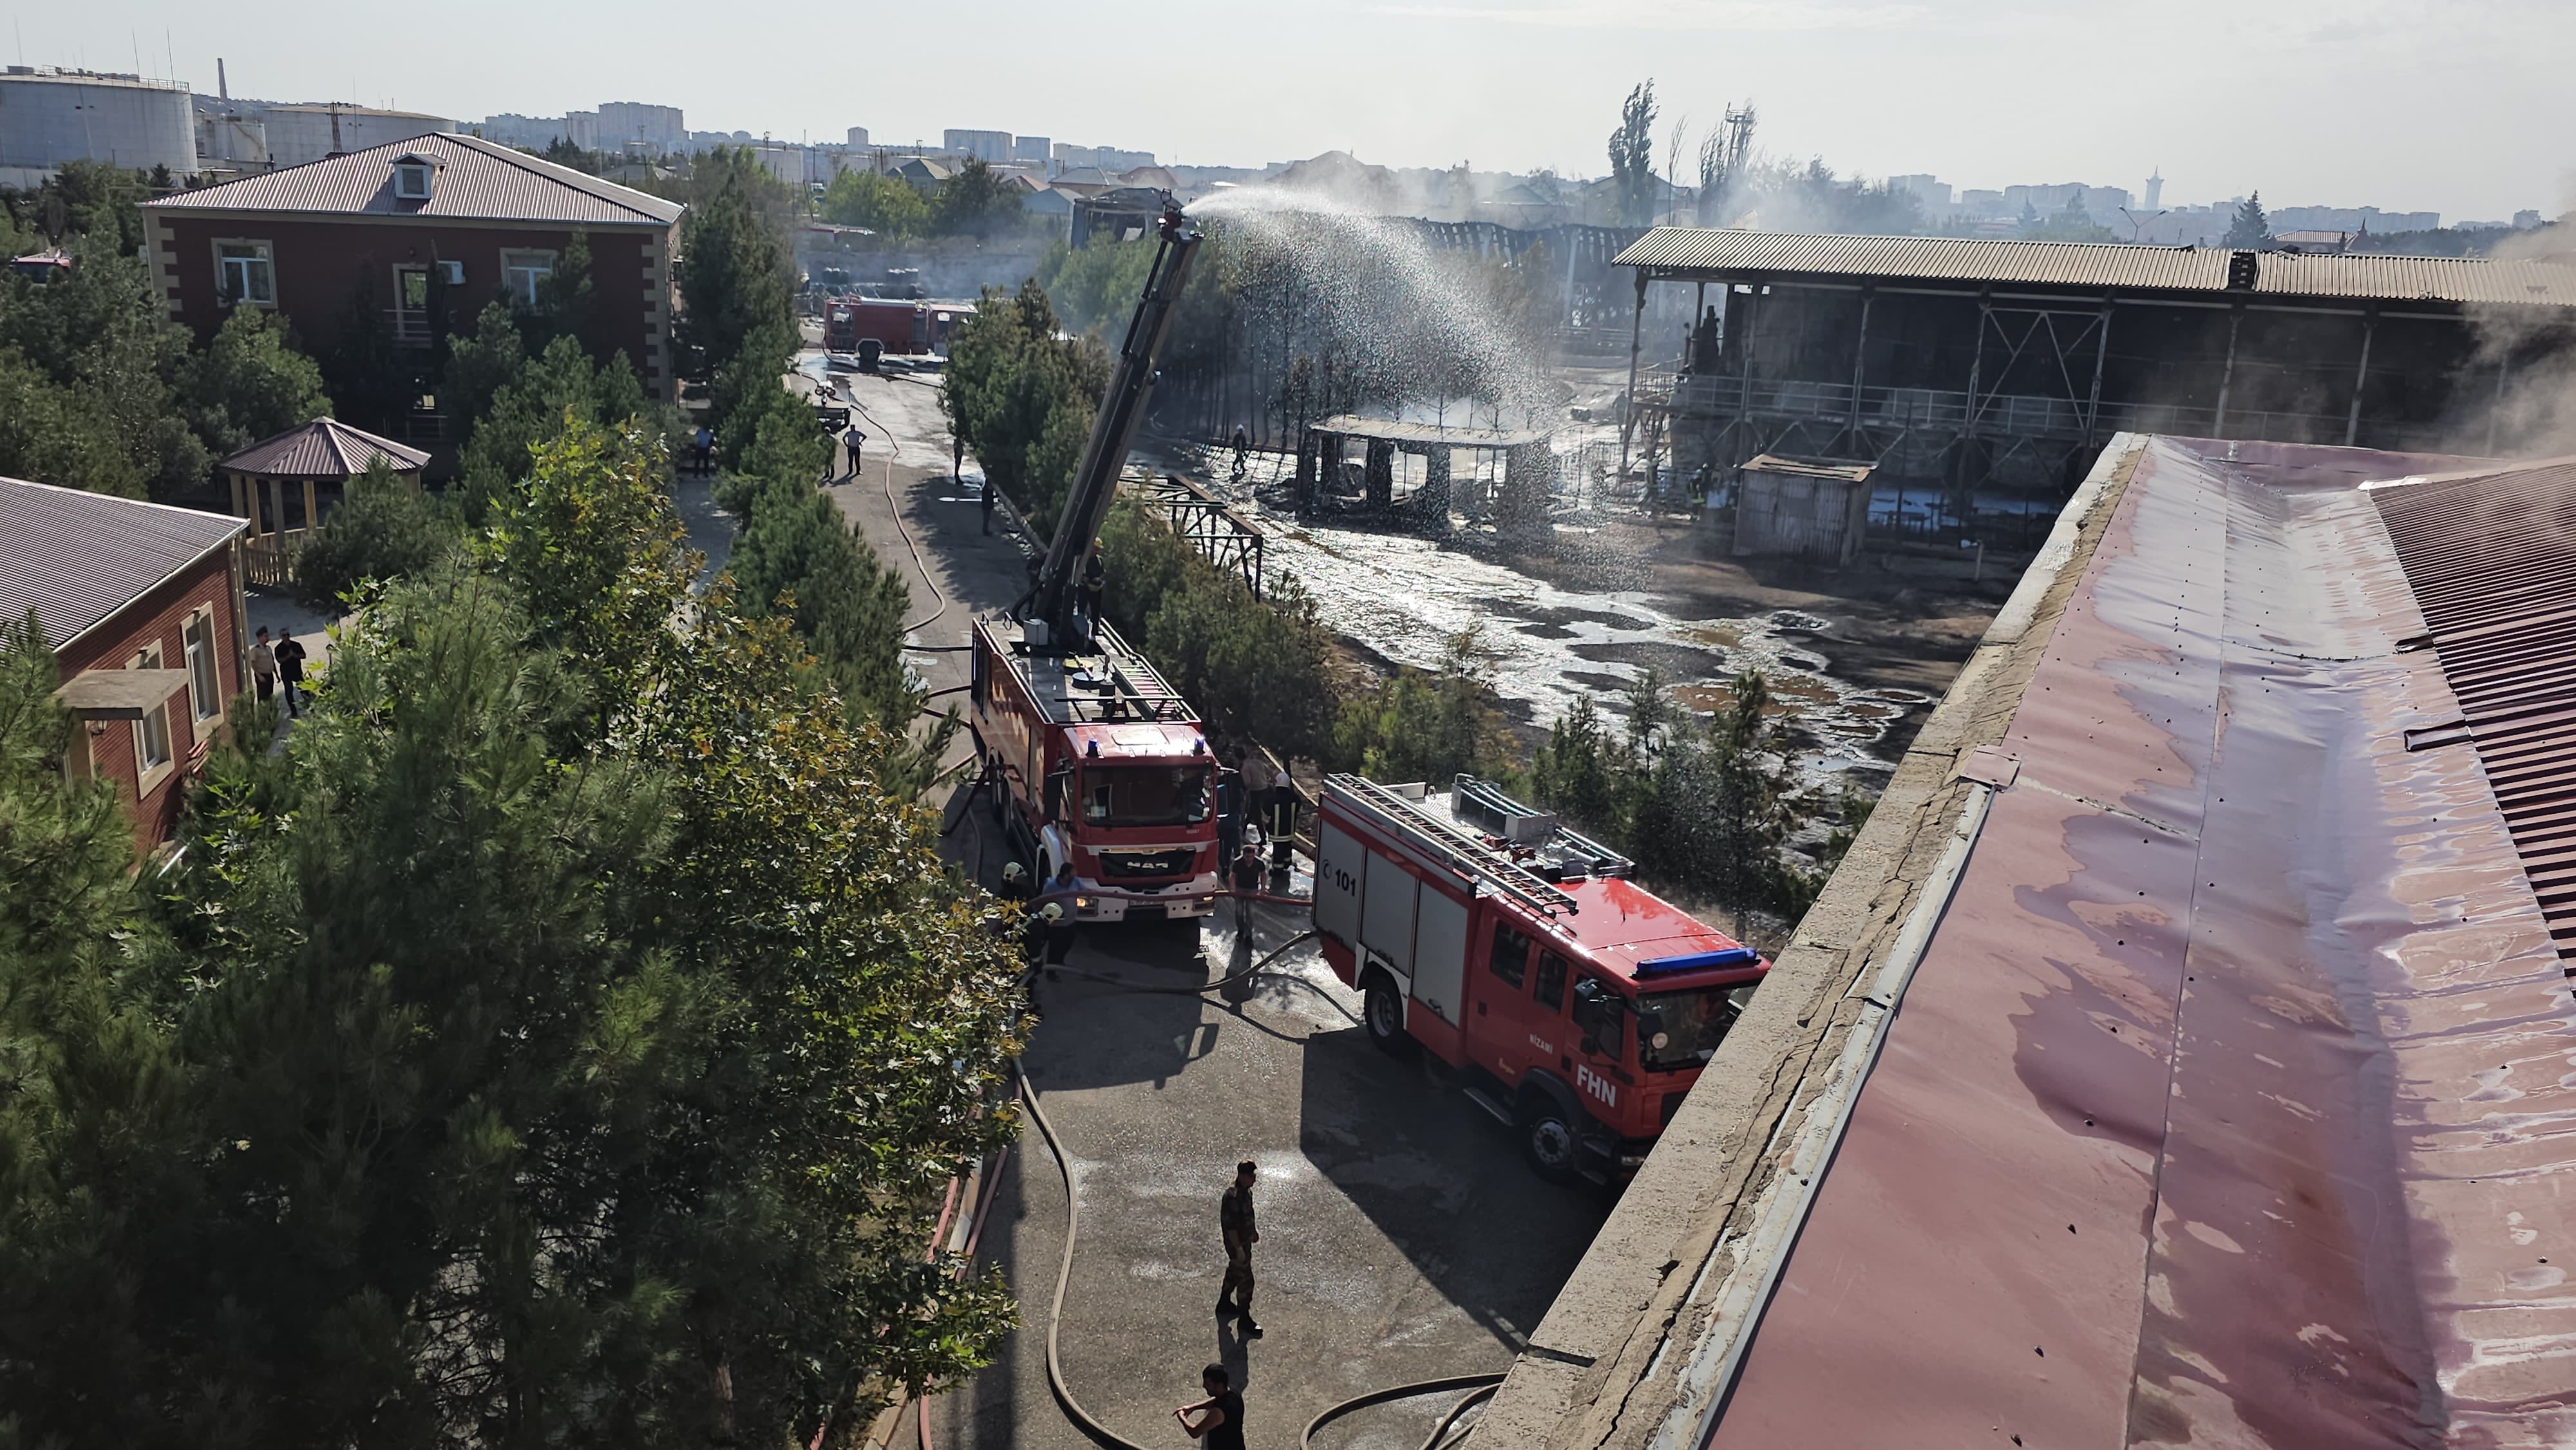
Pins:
<point x="1122" y="214"/>
<point x="1082" y="181"/>
<point x="2325" y="242"/>
<point x="923" y="174"/>
<point x="142" y="605"/>
<point x="1047" y="201"/>
<point x="1152" y="178"/>
<point x="423" y="233"/>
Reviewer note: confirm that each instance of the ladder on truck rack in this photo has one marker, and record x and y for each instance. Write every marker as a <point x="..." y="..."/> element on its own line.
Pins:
<point x="1453" y="843"/>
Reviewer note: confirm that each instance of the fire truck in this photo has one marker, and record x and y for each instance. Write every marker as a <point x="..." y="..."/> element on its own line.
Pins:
<point x="1090" y="756"/>
<point x="898" y="326"/>
<point x="1576" y="1006"/>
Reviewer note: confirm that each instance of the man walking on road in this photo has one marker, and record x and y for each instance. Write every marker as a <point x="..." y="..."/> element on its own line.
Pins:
<point x="263" y="665"/>
<point x="290" y="669"/>
<point x="1220" y="1415"/>
<point x="1234" y="1219"/>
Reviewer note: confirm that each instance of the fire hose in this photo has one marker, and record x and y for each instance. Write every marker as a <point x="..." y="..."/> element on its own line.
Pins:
<point x="1480" y="1386"/>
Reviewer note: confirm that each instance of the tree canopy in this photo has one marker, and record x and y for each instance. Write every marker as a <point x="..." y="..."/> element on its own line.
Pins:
<point x="2249" y="228"/>
<point x="1632" y="156"/>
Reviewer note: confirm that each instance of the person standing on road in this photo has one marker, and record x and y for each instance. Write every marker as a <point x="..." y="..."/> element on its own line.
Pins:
<point x="1220" y="1421"/>
<point x="1257" y="776"/>
<point x="703" y="442"/>
<point x="263" y="666"/>
<point x="851" y="441"/>
<point x="1234" y="1220"/>
<point x="984" y="497"/>
<point x="1247" y="885"/>
<point x="290" y="669"/>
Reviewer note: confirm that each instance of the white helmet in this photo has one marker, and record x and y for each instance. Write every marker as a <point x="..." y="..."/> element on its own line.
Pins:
<point x="1012" y="872"/>
<point x="1052" y="911"/>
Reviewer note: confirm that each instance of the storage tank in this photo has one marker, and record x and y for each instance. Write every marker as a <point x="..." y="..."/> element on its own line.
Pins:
<point x="49" y="116"/>
<point x="300" y="133"/>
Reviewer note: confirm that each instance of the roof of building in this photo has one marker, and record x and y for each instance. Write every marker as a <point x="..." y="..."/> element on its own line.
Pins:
<point x="74" y="558"/>
<point x="2190" y="1065"/>
<point x="1390" y="430"/>
<point x="1810" y="467"/>
<point x="1702" y="251"/>
<point x="479" y="180"/>
<point x="323" y="448"/>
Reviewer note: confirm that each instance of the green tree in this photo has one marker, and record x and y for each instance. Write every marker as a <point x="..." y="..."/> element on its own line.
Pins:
<point x="1009" y="377"/>
<point x="385" y="529"/>
<point x="479" y="365"/>
<point x="1427" y="724"/>
<point x="737" y="287"/>
<point x="563" y="306"/>
<point x="1632" y="157"/>
<point x="250" y="384"/>
<point x="881" y="203"/>
<point x="974" y="202"/>
<point x="2249" y="229"/>
<point x="62" y="436"/>
<point x="548" y="391"/>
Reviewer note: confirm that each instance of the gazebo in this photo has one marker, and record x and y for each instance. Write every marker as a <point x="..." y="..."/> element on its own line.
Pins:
<point x="264" y="477"/>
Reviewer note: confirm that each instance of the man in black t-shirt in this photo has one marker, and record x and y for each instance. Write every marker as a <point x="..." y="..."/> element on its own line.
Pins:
<point x="1220" y="1421"/>
<point x="290" y="668"/>
<point x="1234" y="1221"/>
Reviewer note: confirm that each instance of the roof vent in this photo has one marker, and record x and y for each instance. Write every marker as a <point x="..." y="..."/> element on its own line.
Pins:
<point x="2240" y="271"/>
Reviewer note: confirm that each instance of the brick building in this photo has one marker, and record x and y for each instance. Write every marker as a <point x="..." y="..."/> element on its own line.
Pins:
<point x="423" y="233"/>
<point x="142" y="605"/>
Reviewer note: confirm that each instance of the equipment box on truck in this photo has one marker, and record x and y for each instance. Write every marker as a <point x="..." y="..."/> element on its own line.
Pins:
<point x="1578" y="1006"/>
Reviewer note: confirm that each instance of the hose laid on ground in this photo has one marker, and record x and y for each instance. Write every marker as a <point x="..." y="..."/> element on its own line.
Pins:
<point x="1102" y="1435"/>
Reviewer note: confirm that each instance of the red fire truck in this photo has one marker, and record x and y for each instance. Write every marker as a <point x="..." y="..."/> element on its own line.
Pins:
<point x="1093" y="759"/>
<point x="1578" y="1006"/>
<point x="1090" y="757"/>
<point x="898" y="326"/>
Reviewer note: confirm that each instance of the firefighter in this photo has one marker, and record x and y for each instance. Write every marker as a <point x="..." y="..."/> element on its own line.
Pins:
<point x="1234" y="1220"/>
<point x="1015" y="883"/>
<point x="1247" y="885"/>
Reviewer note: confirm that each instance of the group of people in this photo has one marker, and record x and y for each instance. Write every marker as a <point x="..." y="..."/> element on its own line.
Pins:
<point x="273" y="665"/>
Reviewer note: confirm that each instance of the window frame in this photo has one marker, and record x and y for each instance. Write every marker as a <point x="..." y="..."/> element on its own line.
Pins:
<point x="1547" y="983"/>
<point x="265" y="255"/>
<point x="197" y="646"/>
<point x="149" y="773"/>
<point x="515" y="262"/>
<point x="1518" y="976"/>
<point x="421" y="171"/>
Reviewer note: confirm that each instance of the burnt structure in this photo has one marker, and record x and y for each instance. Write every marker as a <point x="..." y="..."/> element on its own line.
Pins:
<point x="2007" y="365"/>
<point x="1329" y="478"/>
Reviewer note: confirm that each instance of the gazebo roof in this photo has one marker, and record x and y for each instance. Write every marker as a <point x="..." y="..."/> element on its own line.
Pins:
<point x="323" y="448"/>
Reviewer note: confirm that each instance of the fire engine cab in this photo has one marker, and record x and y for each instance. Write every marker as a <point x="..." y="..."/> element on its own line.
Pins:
<point x="1578" y="1006"/>
<point x="1093" y="759"/>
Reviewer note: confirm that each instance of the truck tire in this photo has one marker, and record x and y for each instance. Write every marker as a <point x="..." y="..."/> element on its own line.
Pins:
<point x="1382" y="1013"/>
<point x="1550" y="1137"/>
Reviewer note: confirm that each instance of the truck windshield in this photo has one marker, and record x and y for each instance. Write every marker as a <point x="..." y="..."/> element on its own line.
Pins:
<point x="1677" y="1030"/>
<point x="1144" y="795"/>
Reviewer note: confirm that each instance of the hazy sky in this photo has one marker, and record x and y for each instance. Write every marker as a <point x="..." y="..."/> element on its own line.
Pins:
<point x="2464" y="107"/>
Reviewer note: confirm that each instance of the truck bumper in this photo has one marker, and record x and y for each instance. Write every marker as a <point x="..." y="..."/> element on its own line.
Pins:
<point x="1192" y="898"/>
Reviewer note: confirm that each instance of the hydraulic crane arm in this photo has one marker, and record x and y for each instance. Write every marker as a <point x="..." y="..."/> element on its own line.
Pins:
<point x="1086" y="504"/>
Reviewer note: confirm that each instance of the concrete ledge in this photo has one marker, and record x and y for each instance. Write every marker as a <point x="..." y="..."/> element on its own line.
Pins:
<point x="1610" y="1365"/>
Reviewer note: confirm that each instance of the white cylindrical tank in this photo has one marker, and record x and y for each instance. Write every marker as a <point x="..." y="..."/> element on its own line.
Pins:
<point x="50" y="116"/>
<point x="300" y="133"/>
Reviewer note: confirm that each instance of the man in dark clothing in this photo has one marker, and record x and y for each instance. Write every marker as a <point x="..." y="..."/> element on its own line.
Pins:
<point x="1220" y="1415"/>
<point x="290" y="670"/>
<point x="1248" y="872"/>
<point x="1234" y="1220"/>
<point x="1058" y="904"/>
<point x="984" y="500"/>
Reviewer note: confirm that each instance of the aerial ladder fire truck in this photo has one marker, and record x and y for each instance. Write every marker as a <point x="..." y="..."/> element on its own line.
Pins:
<point x="1091" y="757"/>
<point x="1575" y="1005"/>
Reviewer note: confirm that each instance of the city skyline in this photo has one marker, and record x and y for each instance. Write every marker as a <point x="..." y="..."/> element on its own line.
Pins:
<point x="2390" y="108"/>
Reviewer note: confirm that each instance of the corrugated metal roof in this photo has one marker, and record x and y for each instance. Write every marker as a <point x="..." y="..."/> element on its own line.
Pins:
<point x="2227" y="1104"/>
<point x="2099" y="265"/>
<point x="75" y="558"/>
<point x="323" y="448"/>
<point x="478" y="181"/>
<point x="2492" y="559"/>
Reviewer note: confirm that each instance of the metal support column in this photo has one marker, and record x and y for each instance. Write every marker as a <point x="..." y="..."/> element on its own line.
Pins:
<point x="2360" y="379"/>
<point x="2101" y="353"/>
<point x="1636" y="344"/>
<point x="1976" y="379"/>
<point x="1860" y="360"/>
<point x="2227" y="375"/>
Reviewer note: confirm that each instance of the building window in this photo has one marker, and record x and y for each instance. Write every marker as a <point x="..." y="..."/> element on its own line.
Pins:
<point x="198" y="638"/>
<point x="245" y="272"/>
<point x="523" y="272"/>
<point x="411" y="181"/>
<point x="152" y="732"/>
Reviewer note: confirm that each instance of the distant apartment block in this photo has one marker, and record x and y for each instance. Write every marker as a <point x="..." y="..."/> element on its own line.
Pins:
<point x="635" y="126"/>
<point x="1108" y="158"/>
<point x="2352" y="219"/>
<point x="1033" y="150"/>
<point x="49" y="115"/>
<point x="984" y="146"/>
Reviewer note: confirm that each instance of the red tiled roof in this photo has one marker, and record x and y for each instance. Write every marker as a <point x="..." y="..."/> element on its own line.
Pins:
<point x="478" y="180"/>
<point x="74" y="558"/>
<point x="323" y="448"/>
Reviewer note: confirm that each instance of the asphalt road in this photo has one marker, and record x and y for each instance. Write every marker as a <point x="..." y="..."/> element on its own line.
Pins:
<point x="1402" y="1237"/>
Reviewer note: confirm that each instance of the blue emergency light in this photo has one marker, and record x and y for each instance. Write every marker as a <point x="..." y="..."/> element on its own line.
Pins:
<point x="1730" y="957"/>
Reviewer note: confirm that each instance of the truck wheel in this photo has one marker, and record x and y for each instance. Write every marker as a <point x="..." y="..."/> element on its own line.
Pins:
<point x="1382" y="1011"/>
<point x="1548" y="1138"/>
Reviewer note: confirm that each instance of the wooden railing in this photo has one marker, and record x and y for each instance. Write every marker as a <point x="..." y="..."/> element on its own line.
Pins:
<point x="268" y="560"/>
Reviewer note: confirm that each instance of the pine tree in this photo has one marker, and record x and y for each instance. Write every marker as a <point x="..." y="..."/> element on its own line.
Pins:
<point x="2250" y="230"/>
